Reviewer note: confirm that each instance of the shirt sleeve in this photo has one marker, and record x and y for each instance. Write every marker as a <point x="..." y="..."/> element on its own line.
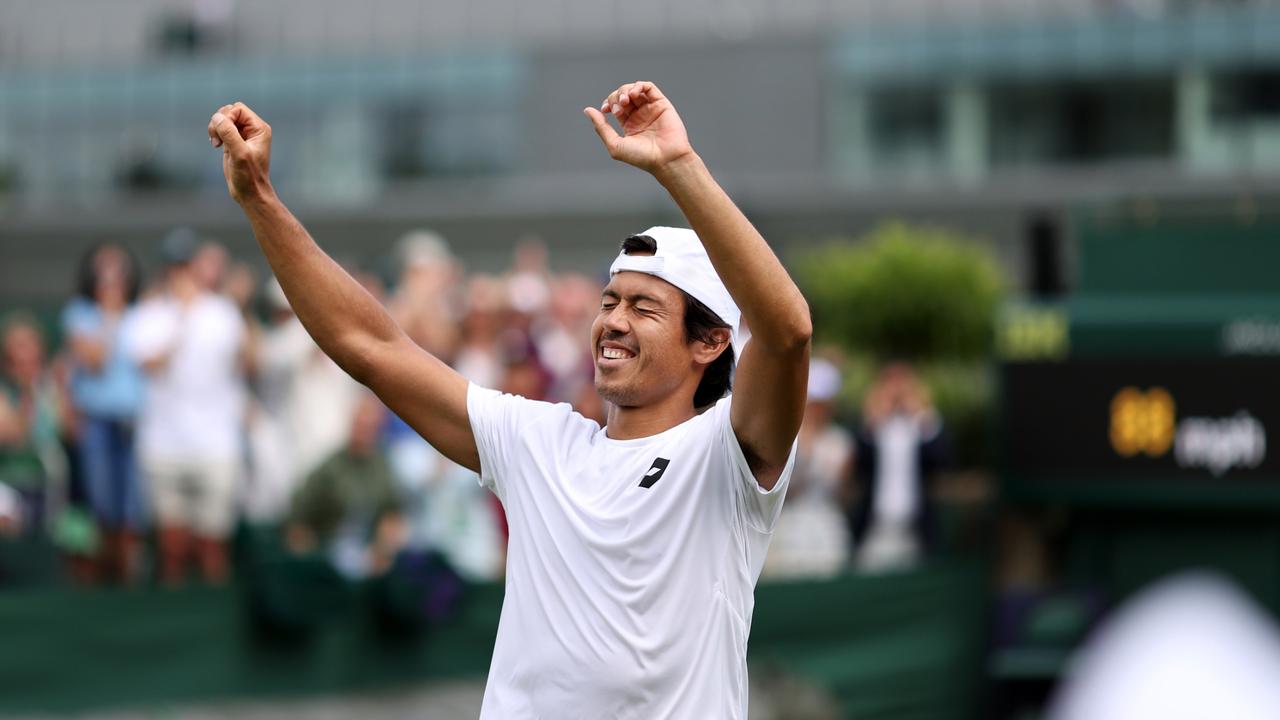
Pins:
<point x="759" y="507"/>
<point x="498" y="422"/>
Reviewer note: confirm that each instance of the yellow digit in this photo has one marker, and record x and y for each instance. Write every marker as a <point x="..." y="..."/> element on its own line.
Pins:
<point x="1161" y="418"/>
<point x="1127" y="426"/>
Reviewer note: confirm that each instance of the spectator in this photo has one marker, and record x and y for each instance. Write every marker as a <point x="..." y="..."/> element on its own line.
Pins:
<point x="529" y="281"/>
<point x="479" y="359"/>
<point x="305" y="406"/>
<point x="188" y="340"/>
<point x="34" y="412"/>
<point x="348" y="509"/>
<point x="209" y="264"/>
<point x="899" y="448"/>
<point x="424" y="303"/>
<point x="240" y="286"/>
<point x="812" y="537"/>
<point x="558" y="335"/>
<point x="107" y="391"/>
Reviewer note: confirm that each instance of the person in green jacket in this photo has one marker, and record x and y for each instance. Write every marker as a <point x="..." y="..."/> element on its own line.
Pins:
<point x="347" y="508"/>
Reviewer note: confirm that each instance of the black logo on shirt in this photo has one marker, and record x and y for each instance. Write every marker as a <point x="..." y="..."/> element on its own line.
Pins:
<point x="655" y="472"/>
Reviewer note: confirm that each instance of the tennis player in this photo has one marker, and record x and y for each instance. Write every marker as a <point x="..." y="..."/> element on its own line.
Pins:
<point x="635" y="548"/>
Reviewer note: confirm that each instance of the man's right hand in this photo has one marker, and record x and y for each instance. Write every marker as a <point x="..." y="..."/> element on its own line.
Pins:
<point x="246" y="151"/>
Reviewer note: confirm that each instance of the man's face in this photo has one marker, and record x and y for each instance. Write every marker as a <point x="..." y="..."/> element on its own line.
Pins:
<point x="23" y="353"/>
<point x="366" y="426"/>
<point x="638" y="341"/>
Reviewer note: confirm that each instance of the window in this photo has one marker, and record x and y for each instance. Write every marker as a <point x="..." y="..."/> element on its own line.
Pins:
<point x="1246" y="95"/>
<point x="1080" y="122"/>
<point x="906" y="127"/>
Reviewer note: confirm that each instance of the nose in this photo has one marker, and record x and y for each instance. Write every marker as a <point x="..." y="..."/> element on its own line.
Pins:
<point x="615" y="322"/>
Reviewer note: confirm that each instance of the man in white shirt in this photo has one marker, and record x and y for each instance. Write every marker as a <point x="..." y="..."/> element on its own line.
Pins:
<point x="189" y="340"/>
<point x="634" y="548"/>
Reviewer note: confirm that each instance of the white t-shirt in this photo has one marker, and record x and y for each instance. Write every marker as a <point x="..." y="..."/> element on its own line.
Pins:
<point x="899" y="444"/>
<point x="622" y="601"/>
<point x="195" y="404"/>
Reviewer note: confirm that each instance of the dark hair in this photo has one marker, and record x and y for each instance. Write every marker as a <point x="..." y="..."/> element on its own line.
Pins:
<point x="87" y="276"/>
<point x="700" y="324"/>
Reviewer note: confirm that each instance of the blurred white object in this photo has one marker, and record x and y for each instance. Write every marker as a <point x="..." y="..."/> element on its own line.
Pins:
<point x="10" y="510"/>
<point x="1193" y="647"/>
<point x="824" y="380"/>
<point x="423" y="247"/>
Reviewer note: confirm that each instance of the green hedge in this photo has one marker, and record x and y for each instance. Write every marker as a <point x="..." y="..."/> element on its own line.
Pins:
<point x="905" y="291"/>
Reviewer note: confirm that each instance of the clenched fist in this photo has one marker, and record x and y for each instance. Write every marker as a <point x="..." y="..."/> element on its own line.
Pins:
<point x="653" y="135"/>
<point x="246" y="151"/>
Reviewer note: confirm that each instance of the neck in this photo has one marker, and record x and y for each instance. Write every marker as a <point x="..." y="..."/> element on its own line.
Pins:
<point x="628" y="423"/>
<point x="185" y="292"/>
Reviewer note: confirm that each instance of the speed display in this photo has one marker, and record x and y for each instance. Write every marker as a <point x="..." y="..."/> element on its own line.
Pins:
<point x="1082" y="419"/>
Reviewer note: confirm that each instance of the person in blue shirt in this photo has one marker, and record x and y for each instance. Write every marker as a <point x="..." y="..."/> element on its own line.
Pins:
<point x="107" y="390"/>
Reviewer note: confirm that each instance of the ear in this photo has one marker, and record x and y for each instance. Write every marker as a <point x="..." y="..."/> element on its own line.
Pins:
<point x="705" y="353"/>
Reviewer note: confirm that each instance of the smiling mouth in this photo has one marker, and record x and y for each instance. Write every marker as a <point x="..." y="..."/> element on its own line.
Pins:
<point x="614" y="353"/>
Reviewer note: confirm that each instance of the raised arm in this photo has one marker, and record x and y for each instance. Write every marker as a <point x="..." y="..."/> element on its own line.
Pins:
<point x="769" y="387"/>
<point x="347" y="323"/>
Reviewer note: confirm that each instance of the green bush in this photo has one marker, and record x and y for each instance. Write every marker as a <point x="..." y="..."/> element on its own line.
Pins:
<point x="904" y="291"/>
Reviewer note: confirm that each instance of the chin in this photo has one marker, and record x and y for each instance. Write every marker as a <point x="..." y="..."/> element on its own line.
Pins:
<point x="620" y="394"/>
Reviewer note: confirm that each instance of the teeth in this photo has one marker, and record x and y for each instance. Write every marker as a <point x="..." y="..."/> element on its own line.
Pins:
<point x="615" y="353"/>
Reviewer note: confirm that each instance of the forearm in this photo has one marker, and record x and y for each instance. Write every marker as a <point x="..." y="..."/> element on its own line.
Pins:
<point x="770" y="302"/>
<point x="343" y="318"/>
<point x="89" y="352"/>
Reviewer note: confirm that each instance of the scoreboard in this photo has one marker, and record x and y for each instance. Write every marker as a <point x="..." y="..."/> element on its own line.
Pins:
<point x="1131" y="420"/>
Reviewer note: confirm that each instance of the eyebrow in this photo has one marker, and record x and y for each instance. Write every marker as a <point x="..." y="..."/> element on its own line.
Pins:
<point x="632" y="298"/>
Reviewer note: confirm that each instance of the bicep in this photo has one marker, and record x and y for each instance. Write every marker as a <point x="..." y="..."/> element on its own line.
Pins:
<point x="768" y="405"/>
<point x="428" y="395"/>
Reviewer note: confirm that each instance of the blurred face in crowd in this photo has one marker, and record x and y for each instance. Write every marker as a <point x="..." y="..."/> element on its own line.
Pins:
<point x="182" y="281"/>
<point x="427" y="279"/>
<point x="209" y="266"/>
<point x="818" y="413"/>
<point x="23" y="352"/>
<point x="901" y="388"/>
<point x="241" y="284"/>
<point x="531" y="256"/>
<point x="638" y="339"/>
<point x="111" y="278"/>
<point x="366" y="426"/>
<point x="485" y="309"/>
<point x="571" y="300"/>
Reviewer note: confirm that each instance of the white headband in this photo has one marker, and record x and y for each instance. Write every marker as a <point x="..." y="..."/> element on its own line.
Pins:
<point x="681" y="260"/>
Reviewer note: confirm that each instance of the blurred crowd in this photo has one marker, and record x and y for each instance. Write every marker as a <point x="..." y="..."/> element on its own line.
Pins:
<point x="185" y="404"/>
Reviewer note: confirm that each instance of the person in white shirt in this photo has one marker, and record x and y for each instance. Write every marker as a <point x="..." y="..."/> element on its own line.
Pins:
<point x="812" y="538"/>
<point x="188" y="341"/>
<point x="899" y="449"/>
<point x="635" y="547"/>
